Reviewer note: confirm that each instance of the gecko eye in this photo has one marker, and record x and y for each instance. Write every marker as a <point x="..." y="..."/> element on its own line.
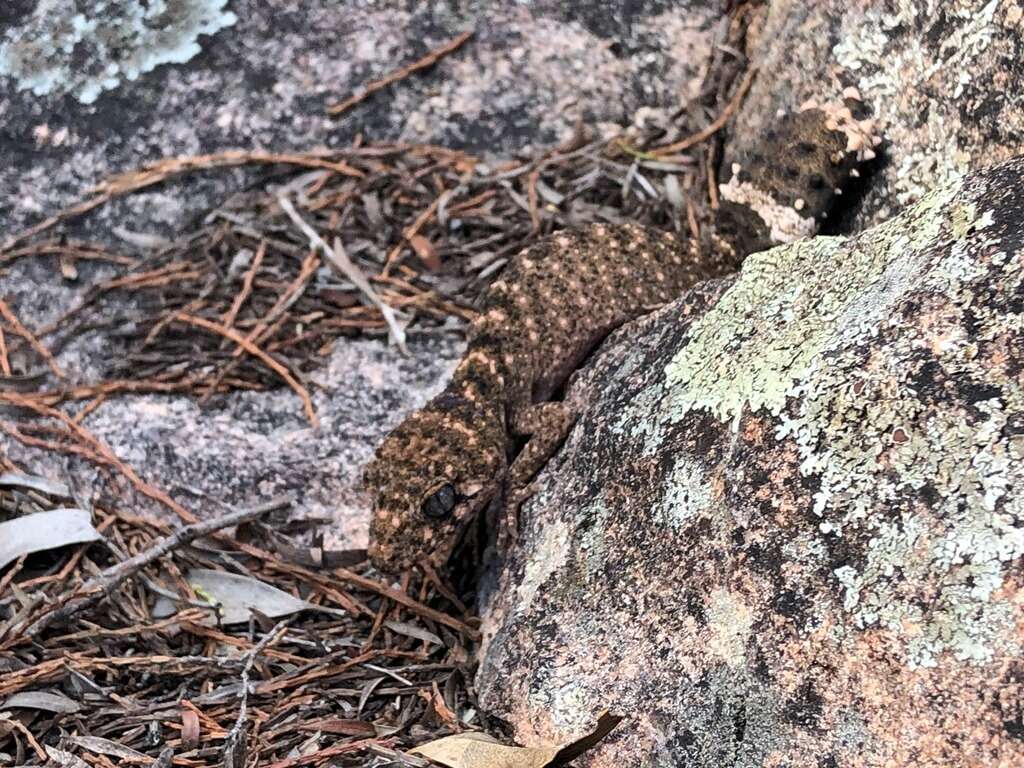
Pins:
<point x="440" y="503"/>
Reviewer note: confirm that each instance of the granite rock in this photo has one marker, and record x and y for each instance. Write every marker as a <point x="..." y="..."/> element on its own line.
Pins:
<point x="789" y="526"/>
<point x="788" y="529"/>
<point x="943" y="79"/>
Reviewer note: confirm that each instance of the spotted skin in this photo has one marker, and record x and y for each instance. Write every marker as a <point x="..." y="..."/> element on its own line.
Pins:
<point x="548" y="310"/>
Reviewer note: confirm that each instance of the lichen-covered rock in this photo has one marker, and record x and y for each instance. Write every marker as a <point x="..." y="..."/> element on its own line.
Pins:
<point x="60" y="49"/>
<point x="945" y="81"/>
<point x="788" y="529"/>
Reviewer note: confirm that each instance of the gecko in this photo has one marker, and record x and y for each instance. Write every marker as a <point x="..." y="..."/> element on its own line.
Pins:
<point x="435" y="473"/>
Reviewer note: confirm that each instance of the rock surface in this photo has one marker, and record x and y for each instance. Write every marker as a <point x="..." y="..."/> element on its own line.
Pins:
<point x="944" y="80"/>
<point x="245" y="448"/>
<point x="209" y="75"/>
<point x="786" y="530"/>
<point x="789" y="527"/>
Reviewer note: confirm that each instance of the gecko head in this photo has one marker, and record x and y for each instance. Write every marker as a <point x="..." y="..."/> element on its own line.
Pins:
<point x="429" y="480"/>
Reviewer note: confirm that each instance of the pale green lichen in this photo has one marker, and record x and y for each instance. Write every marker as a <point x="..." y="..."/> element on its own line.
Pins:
<point x="768" y="331"/>
<point x="794" y="337"/>
<point x="593" y="547"/>
<point x="83" y="49"/>
<point x="548" y="555"/>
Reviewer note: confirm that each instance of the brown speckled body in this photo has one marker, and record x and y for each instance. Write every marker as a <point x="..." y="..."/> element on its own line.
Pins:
<point x="551" y="306"/>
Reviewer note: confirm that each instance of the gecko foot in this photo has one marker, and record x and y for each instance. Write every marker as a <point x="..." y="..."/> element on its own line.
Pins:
<point x="508" y="518"/>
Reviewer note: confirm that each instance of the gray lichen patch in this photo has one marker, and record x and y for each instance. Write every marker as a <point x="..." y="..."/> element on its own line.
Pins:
<point x="730" y="622"/>
<point x="687" y="495"/>
<point x="841" y="362"/>
<point x="85" y="48"/>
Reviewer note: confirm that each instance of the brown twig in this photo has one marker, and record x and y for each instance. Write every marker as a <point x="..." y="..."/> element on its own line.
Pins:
<point x="323" y="755"/>
<point x="5" y="363"/>
<point x="716" y="125"/>
<point x="100" y="448"/>
<point x="102" y="585"/>
<point x="252" y="349"/>
<point x="403" y="599"/>
<point x="27" y="335"/>
<point x="257" y="260"/>
<point x="169" y="167"/>
<point x="399" y="74"/>
<point x="235" y="752"/>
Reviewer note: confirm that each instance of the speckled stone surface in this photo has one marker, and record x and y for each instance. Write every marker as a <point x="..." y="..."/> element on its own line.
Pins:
<point x="259" y="75"/>
<point x="789" y="533"/>
<point x="245" y="448"/>
<point x="789" y="529"/>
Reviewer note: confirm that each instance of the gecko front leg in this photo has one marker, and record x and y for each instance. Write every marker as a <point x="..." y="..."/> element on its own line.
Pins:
<point x="545" y="425"/>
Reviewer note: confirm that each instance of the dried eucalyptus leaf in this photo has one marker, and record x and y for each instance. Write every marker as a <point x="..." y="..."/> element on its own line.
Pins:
<point x="44" y="530"/>
<point x="47" y="701"/>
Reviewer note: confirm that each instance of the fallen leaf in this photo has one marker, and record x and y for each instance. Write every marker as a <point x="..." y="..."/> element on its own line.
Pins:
<point x="44" y="530"/>
<point x="65" y="759"/>
<point x="47" y="701"/>
<point x="425" y="250"/>
<point x="237" y="595"/>
<point x="189" y="730"/>
<point x="411" y="630"/>
<point x="478" y="750"/>
<point x="100" y="746"/>
<point x="340" y="726"/>
<point x="34" y="483"/>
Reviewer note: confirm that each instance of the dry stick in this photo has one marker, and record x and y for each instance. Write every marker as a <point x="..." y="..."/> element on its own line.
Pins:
<point x="270" y="323"/>
<point x="102" y="450"/>
<point x="112" y="387"/>
<point x="14" y="571"/>
<point x="341" y="262"/>
<point x="716" y="125"/>
<point x="403" y="599"/>
<point x="712" y="179"/>
<point x="40" y="752"/>
<point x="101" y="586"/>
<point x="27" y="335"/>
<point x="229" y="317"/>
<point x="235" y="751"/>
<point x="322" y="755"/>
<point x="291" y="294"/>
<point x="400" y="74"/>
<point x="264" y="334"/>
<point x="168" y="167"/>
<point x="321" y="579"/>
<point x="83" y="251"/>
<point x="252" y="349"/>
<point x="5" y="364"/>
<point x="176" y="269"/>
